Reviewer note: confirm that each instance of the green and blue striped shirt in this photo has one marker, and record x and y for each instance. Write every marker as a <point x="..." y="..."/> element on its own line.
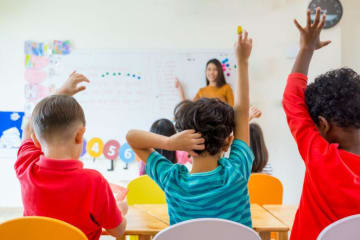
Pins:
<point x="220" y="193"/>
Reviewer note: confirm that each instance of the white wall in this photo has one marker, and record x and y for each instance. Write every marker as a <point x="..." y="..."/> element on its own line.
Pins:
<point x="169" y="24"/>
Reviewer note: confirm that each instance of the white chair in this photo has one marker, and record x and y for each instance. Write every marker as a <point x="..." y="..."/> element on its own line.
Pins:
<point x="346" y="228"/>
<point x="209" y="229"/>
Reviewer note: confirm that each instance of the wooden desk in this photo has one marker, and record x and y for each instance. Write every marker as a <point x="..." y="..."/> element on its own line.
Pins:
<point x="263" y="222"/>
<point x="285" y="213"/>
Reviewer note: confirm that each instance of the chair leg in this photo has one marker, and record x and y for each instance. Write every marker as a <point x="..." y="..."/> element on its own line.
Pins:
<point x="283" y="235"/>
<point x="264" y="235"/>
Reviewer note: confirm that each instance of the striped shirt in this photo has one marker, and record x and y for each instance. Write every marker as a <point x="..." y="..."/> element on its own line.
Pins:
<point x="220" y="193"/>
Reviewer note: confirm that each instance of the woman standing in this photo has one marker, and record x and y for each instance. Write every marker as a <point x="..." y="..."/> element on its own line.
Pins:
<point x="216" y="86"/>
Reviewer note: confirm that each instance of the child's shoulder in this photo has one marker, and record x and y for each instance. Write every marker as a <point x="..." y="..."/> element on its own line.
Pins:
<point x="92" y="175"/>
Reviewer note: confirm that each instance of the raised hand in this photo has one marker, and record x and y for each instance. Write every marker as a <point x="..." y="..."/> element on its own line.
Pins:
<point x="254" y="112"/>
<point x="310" y="34"/>
<point x="187" y="141"/>
<point x="70" y="87"/>
<point x="243" y="47"/>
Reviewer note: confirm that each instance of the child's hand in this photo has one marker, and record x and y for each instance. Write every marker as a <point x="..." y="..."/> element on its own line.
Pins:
<point x="187" y="141"/>
<point x="243" y="47"/>
<point x="254" y="112"/>
<point x="310" y="34"/>
<point x="70" y="87"/>
<point x="123" y="206"/>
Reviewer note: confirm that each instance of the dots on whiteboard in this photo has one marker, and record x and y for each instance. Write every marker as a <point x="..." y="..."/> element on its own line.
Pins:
<point x="107" y="73"/>
<point x="114" y="74"/>
<point x="128" y="74"/>
<point x="102" y="75"/>
<point x="228" y="74"/>
<point x="227" y="65"/>
<point x="133" y="75"/>
<point x="119" y="73"/>
<point x="138" y="77"/>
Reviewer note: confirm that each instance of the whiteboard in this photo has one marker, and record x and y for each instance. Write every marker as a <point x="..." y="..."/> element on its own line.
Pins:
<point x="128" y="89"/>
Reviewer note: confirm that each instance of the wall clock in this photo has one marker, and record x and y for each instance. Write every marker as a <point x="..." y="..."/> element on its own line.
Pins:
<point x="332" y="8"/>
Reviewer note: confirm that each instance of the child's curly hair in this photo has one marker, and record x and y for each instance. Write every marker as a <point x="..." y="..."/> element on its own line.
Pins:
<point x="211" y="117"/>
<point x="335" y="96"/>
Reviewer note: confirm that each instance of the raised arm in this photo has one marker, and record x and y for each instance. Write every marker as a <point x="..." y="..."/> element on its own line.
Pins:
<point x="300" y="123"/>
<point x="180" y="89"/>
<point x="143" y="143"/>
<point x="70" y="88"/>
<point x="242" y="51"/>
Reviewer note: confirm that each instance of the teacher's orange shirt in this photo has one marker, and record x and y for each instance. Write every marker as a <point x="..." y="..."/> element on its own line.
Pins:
<point x="224" y="93"/>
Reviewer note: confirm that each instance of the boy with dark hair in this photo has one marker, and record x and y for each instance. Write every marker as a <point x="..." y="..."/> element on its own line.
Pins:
<point x="216" y="186"/>
<point x="324" y="119"/>
<point x="53" y="180"/>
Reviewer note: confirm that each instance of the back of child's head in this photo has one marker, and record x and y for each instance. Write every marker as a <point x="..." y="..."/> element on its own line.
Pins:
<point x="56" y="118"/>
<point x="257" y="144"/>
<point x="166" y="128"/>
<point x="211" y="117"/>
<point x="335" y="96"/>
<point x="220" y="81"/>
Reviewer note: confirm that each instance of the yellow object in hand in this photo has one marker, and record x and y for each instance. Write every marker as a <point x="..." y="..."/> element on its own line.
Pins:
<point x="239" y="29"/>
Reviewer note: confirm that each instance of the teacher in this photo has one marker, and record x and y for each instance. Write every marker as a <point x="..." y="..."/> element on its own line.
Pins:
<point x="216" y="86"/>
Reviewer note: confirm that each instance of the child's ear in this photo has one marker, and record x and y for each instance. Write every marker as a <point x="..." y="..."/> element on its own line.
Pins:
<point x="35" y="140"/>
<point x="80" y="135"/>
<point x="324" y="125"/>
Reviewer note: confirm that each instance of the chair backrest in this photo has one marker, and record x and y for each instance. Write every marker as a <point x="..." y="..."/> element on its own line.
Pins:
<point x="209" y="229"/>
<point x="143" y="190"/>
<point x="39" y="228"/>
<point x="346" y="228"/>
<point x="265" y="189"/>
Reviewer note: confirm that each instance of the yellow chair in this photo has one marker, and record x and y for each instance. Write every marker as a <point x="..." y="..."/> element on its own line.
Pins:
<point x="143" y="190"/>
<point x="39" y="228"/>
<point x="265" y="189"/>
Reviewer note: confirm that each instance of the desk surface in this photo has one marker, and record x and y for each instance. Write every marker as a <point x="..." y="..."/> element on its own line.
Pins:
<point x="262" y="220"/>
<point x="285" y="213"/>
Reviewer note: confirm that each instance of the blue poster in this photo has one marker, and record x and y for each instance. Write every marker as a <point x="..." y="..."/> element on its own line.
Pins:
<point x="10" y="129"/>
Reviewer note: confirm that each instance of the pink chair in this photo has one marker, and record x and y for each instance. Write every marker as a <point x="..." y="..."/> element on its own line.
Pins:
<point x="209" y="229"/>
<point x="345" y="228"/>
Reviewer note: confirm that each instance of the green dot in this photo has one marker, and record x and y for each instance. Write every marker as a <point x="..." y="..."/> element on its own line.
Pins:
<point x="114" y="74"/>
<point x="128" y="74"/>
<point x="107" y="73"/>
<point x="235" y="66"/>
<point x="119" y="74"/>
<point x="103" y="75"/>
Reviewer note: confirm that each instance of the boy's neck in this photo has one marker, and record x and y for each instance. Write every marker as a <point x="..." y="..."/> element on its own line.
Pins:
<point x="350" y="141"/>
<point x="205" y="163"/>
<point x="59" y="153"/>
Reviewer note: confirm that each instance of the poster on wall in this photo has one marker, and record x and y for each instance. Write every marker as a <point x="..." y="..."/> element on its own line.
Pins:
<point x="10" y="132"/>
<point x="128" y="89"/>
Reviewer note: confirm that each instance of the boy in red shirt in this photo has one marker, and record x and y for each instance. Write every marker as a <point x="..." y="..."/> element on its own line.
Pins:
<point x="53" y="180"/>
<point x="324" y="118"/>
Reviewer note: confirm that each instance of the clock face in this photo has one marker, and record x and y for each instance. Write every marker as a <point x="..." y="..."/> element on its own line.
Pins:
<point x="332" y="8"/>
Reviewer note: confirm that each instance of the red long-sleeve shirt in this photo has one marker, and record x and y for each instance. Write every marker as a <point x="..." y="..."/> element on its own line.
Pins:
<point x="331" y="189"/>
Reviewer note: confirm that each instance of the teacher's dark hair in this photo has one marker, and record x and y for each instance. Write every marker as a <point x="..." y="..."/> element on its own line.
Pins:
<point x="220" y="81"/>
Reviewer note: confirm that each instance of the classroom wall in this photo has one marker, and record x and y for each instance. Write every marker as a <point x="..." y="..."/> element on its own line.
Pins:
<point x="171" y="24"/>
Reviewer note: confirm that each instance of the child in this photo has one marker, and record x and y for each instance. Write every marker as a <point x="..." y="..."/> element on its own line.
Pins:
<point x="257" y="144"/>
<point x="53" y="181"/>
<point x="216" y="187"/>
<point x="166" y="128"/>
<point x="324" y="118"/>
<point x="216" y="86"/>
